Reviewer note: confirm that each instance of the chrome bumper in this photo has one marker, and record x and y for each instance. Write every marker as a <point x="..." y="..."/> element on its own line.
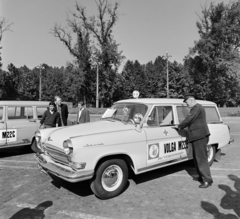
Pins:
<point x="46" y="165"/>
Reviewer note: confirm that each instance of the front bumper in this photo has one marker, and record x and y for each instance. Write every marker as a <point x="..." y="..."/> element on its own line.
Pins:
<point x="46" y="165"/>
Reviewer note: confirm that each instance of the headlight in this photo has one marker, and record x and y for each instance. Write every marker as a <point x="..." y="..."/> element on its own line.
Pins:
<point x="67" y="147"/>
<point x="38" y="139"/>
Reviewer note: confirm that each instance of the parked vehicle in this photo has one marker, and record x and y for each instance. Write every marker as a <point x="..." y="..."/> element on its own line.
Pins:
<point x="19" y="120"/>
<point x="135" y="134"/>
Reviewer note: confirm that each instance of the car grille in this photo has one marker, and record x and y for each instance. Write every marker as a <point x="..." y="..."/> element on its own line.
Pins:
<point x="56" y="154"/>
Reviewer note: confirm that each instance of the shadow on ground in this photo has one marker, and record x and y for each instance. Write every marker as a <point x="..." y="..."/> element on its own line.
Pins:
<point x="81" y="188"/>
<point x="230" y="201"/>
<point x="154" y="174"/>
<point x="37" y="212"/>
<point x="15" y="151"/>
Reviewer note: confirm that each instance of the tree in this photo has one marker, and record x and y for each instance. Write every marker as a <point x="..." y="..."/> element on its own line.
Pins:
<point x="95" y="46"/>
<point x="214" y="60"/>
<point x="81" y="52"/>
<point x="4" y="26"/>
<point x="134" y="78"/>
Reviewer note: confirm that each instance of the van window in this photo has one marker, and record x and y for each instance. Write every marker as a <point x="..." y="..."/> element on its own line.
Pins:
<point x="40" y="111"/>
<point x="161" y="116"/>
<point x="28" y="112"/>
<point x="1" y="113"/>
<point x="211" y="113"/>
<point x="17" y="112"/>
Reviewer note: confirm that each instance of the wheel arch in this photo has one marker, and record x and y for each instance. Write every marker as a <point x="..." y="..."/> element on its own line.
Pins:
<point x="215" y="145"/>
<point x="128" y="160"/>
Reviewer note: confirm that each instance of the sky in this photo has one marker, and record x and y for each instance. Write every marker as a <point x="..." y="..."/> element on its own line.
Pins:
<point x="145" y="30"/>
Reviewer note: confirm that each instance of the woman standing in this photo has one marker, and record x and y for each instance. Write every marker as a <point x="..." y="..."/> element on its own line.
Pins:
<point x="50" y="117"/>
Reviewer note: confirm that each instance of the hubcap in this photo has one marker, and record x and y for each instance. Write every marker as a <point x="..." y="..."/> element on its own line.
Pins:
<point x="209" y="152"/>
<point x="112" y="178"/>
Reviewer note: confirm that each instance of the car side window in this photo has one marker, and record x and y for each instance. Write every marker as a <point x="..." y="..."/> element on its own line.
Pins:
<point x="211" y="114"/>
<point x="1" y="113"/>
<point x="40" y="111"/>
<point x="182" y="112"/>
<point x="20" y="112"/>
<point x="161" y="116"/>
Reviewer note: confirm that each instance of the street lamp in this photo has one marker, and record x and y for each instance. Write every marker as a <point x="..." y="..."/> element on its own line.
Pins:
<point x="167" y="57"/>
<point x="40" y="80"/>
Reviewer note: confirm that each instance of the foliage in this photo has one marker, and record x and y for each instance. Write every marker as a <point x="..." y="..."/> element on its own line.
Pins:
<point x="211" y="70"/>
<point x="95" y="45"/>
<point x="214" y="66"/>
<point x="4" y="26"/>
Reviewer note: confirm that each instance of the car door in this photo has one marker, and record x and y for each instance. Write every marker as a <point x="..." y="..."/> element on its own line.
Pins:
<point x="182" y="112"/>
<point x="3" y="127"/>
<point x="21" y="126"/>
<point x="164" y="143"/>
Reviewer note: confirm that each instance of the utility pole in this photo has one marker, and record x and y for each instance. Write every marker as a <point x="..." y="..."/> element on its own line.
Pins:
<point x="40" y="81"/>
<point x="97" y="82"/>
<point x="167" y="57"/>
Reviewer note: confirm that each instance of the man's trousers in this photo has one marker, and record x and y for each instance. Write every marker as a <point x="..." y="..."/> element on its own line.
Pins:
<point x="200" y="158"/>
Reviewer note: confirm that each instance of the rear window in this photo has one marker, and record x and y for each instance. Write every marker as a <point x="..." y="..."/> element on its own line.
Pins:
<point x="211" y="113"/>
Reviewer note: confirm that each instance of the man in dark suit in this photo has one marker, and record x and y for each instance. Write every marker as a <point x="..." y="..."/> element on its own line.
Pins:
<point x="82" y="114"/>
<point x="63" y="111"/>
<point x="198" y="135"/>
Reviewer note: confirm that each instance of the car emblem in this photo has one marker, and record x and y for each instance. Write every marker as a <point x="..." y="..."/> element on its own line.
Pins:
<point x="165" y="132"/>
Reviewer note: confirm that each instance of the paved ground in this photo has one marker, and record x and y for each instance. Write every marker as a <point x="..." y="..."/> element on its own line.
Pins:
<point x="165" y="193"/>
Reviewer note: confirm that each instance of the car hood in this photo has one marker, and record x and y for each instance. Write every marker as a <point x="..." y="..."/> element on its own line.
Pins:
<point x="58" y="136"/>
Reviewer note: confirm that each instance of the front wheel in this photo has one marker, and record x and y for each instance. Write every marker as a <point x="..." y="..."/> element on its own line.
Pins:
<point x="111" y="179"/>
<point x="211" y="151"/>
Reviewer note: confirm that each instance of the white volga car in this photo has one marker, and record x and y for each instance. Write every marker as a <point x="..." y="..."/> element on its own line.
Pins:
<point x="135" y="134"/>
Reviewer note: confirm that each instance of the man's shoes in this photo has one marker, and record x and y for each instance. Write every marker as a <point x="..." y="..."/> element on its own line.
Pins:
<point x="199" y="179"/>
<point x="205" y="185"/>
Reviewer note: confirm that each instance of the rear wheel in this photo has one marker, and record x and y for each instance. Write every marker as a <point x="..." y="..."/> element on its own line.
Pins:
<point x="211" y="151"/>
<point x="111" y="179"/>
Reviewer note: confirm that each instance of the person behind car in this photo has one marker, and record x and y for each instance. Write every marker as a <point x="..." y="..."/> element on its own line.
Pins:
<point x="198" y="135"/>
<point x="50" y="117"/>
<point x="83" y="114"/>
<point x="63" y="111"/>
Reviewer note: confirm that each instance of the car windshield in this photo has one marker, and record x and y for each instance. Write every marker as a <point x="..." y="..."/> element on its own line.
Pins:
<point x="125" y="112"/>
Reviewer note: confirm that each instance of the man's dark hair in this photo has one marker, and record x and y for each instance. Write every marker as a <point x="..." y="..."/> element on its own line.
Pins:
<point x="82" y="102"/>
<point x="52" y="103"/>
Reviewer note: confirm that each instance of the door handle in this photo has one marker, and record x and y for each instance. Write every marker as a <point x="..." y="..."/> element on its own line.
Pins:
<point x="32" y="120"/>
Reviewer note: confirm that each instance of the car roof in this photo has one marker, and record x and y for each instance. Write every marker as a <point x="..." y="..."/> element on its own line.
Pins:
<point x="162" y="101"/>
<point x="23" y="103"/>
